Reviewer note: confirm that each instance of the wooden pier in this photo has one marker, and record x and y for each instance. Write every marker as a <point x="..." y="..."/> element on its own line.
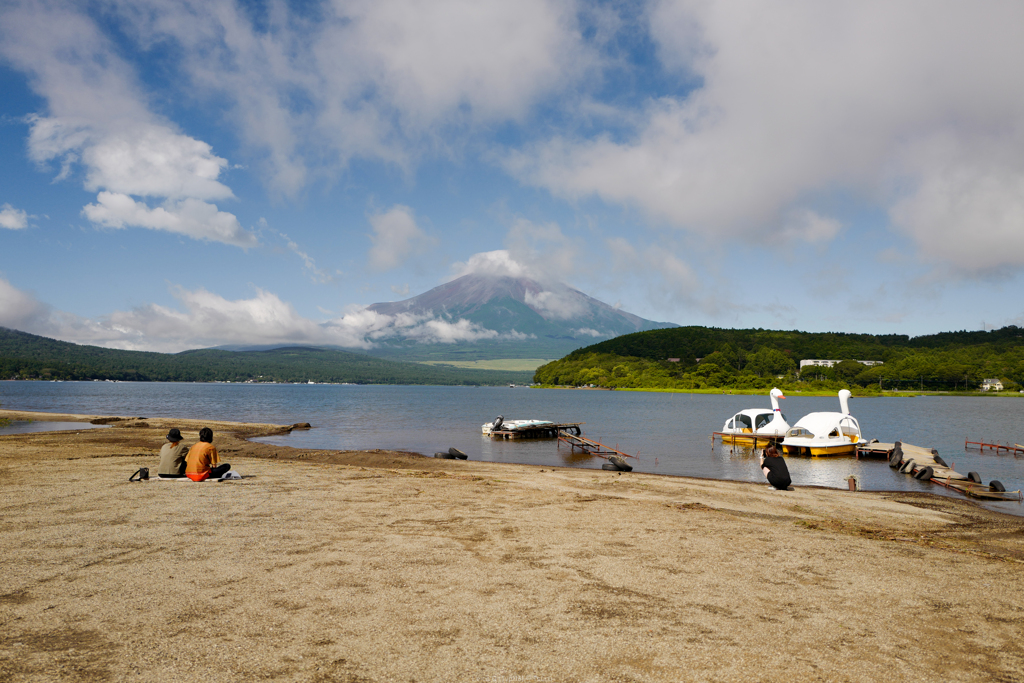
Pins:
<point x="550" y="430"/>
<point x="589" y="446"/>
<point x="925" y="463"/>
<point x="981" y="446"/>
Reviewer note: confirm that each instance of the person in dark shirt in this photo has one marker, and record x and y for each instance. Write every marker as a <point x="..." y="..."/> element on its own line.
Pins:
<point x="774" y="468"/>
<point x="172" y="456"/>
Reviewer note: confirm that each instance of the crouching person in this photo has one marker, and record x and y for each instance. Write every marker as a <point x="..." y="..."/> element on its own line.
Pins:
<point x="203" y="461"/>
<point x="172" y="456"/>
<point x="774" y="468"/>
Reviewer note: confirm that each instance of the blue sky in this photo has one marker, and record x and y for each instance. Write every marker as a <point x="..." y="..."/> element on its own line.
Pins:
<point x="193" y="173"/>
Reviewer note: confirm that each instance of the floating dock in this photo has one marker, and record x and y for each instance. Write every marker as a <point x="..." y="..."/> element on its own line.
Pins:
<point x="550" y="430"/>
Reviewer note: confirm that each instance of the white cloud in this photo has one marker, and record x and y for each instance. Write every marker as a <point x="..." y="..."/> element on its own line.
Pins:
<point x="98" y="118"/>
<point x="308" y="262"/>
<point x="448" y="332"/>
<point x="493" y="56"/>
<point x="203" y="319"/>
<point x="154" y="161"/>
<point x="551" y="255"/>
<point x="539" y="251"/>
<point x="970" y="218"/>
<point x="499" y="263"/>
<point x="395" y="238"/>
<point x="670" y="281"/>
<point x="19" y="310"/>
<point x="805" y="225"/>
<point x="560" y="304"/>
<point x="12" y="218"/>
<point x="189" y="217"/>
<point x="366" y="79"/>
<point x="209" y="319"/>
<point x="800" y="102"/>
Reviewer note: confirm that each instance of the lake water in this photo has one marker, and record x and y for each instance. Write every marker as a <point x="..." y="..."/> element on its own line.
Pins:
<point x="669" y="432"/>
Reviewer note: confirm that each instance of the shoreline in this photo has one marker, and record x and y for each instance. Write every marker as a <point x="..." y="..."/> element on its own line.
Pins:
<point x="383" y="565"/>
<point x="242" y="433"/>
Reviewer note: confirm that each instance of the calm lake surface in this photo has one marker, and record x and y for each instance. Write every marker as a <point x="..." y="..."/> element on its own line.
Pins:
<point x="669" y="432"/>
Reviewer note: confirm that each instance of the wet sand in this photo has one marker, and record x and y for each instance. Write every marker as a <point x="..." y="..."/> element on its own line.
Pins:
<point x="387" y="566"/>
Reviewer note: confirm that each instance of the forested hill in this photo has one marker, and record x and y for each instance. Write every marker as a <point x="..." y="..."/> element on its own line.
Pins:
<point x="27" y="356"/>
<point x="690" y="343"/>
<point x="705" y="357"/>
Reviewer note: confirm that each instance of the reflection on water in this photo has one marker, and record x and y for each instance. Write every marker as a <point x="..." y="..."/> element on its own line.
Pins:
<point x="26" y="427"/>
<point x="669" y="432"/>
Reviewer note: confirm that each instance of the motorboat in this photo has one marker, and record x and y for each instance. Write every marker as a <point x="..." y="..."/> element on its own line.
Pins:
<point x="500" y="424"/>
<point x="757" y="424"/>
<point x="822" y="434"/>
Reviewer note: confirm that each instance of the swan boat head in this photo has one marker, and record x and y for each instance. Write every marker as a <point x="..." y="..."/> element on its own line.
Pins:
<point x="760" y="421"/>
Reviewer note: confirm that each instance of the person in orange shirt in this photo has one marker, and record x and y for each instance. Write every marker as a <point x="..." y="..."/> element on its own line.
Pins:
<point x="202" y="461"/>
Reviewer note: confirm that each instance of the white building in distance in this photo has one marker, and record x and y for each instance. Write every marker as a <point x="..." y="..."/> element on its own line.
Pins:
<point x="830" y="363"/>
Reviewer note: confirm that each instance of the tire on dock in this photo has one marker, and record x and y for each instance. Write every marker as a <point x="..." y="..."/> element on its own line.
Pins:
<point x="620" y="464"/>
<point x="908" y="467"/>
<point x="457" y="453"/>
<point x="924" y="473"/>
<point x="939" y="461"/>
<point x="896" y="458"/>
<point x="996" y="485"/>
<point x="974" y="476"/>
<point x="610" y="466"/>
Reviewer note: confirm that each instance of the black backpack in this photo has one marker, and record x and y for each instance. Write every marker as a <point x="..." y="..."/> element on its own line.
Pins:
<point x="142" y="473"/>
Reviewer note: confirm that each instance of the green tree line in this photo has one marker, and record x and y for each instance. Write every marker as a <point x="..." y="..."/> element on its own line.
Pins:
<point x="706" y="358"/>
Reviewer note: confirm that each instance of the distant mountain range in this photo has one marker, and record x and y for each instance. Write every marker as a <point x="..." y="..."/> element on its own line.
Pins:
<point x="28" y="356"/>
<point x="516" y="317"/>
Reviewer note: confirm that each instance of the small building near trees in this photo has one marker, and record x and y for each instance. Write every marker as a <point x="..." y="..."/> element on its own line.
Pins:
<point x="993" y="384"/>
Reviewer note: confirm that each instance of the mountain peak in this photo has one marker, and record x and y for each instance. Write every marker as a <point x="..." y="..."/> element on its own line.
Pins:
<point x="521" y="305"/>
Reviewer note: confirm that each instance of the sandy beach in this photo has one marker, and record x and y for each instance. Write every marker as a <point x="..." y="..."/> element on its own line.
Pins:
<point x="386" y="566"/>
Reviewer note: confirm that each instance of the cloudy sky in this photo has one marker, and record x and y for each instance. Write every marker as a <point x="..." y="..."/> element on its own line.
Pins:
<point x="197" y="172"/>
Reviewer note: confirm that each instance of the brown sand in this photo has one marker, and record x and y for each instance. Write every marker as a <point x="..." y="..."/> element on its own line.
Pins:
<point x="384" y="566"/>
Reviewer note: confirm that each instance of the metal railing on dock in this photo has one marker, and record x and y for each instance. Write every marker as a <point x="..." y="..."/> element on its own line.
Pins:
<point x="981" y="445"/>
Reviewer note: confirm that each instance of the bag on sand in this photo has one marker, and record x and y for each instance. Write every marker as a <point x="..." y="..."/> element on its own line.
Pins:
<point x="142" y="473"/>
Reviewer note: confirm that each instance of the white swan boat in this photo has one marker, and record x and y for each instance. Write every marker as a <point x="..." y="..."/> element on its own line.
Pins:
<point x="818" y="434"/>
<point x="755" y="425"/>
<point x="503" y="425"/>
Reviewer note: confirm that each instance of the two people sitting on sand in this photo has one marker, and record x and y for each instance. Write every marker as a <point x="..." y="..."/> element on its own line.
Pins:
<point x="202" y="461"/>
<point x="172" y="456"/>
<point x="774" y="468"/>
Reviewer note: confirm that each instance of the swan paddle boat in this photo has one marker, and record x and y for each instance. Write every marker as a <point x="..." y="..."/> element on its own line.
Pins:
<point x="822" y="434"/>
<point x="757" y="424"/>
